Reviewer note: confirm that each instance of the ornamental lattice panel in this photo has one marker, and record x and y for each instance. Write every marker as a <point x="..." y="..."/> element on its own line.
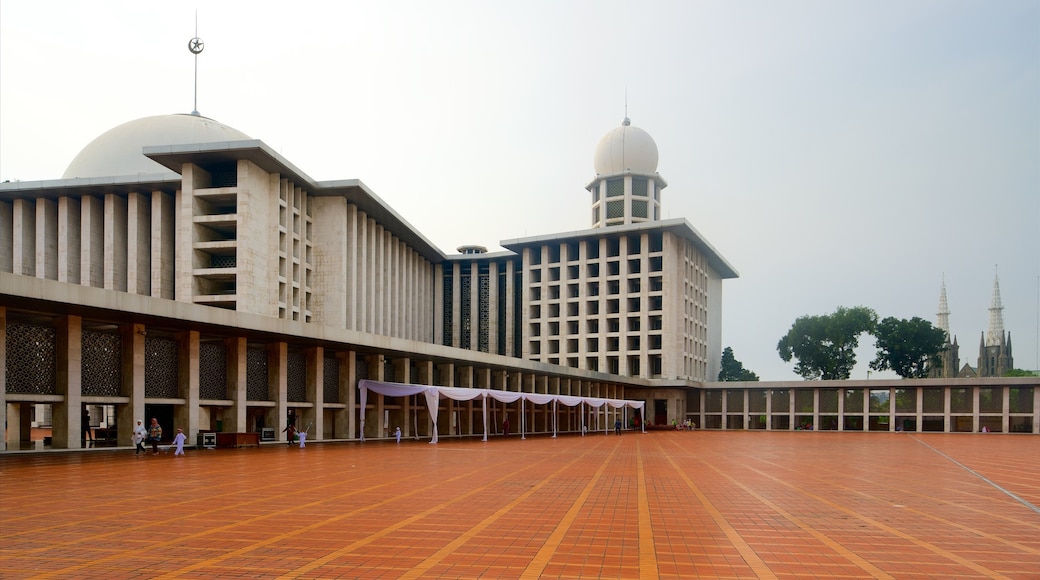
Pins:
<point x="296" y="377"/>
<point x="161" y="370"/>
<point x="483" y="305"/>
<point x="330" y="379"/>
<point x="212" y="371"/>
<point x="256" y="374"/>
<point x="31" y="362"/>
<point x="101" y="355"/>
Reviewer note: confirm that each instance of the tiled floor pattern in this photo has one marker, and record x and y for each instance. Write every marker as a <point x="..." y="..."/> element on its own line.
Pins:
<point x="655" y="505"/>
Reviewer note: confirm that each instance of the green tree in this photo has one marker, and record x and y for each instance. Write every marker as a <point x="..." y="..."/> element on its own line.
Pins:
<point x="733" y="370"/>
<point x="908" y="347"/>
<point x="1021" y="373"/>
<point x="825" y="345"/>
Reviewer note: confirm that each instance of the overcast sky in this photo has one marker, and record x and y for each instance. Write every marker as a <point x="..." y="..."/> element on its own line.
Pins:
<point x="835" y="153"/>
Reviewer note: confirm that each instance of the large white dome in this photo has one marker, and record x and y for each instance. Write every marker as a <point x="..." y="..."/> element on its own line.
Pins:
<point x="625" y="149"/>
<point x="118" y="151"/>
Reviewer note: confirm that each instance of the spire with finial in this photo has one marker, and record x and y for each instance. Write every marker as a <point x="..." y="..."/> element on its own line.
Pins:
<point x="195" y="45"/>
<point x="995" y="334"/>
<point x="943" y="320"/>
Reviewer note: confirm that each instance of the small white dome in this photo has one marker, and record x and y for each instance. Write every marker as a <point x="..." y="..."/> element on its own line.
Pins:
<point x="626" y="148"/>
<point x="118" y="151"/>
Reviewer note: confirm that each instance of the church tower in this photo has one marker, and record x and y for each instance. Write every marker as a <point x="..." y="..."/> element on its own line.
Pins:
<point x="627" y="187"/>
<point x="950" y="357"/>
<point x="995" y="346"/>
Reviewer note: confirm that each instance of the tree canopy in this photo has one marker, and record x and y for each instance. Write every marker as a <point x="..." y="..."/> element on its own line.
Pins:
<point x="733" y="370"/>
<point x="908" y="347"/>
<point x="825" y="345"/>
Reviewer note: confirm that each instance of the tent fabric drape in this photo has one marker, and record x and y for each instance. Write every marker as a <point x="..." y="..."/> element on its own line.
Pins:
<point x="433" y="393"/>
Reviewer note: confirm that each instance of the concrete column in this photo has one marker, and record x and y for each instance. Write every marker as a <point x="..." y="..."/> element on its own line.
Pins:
<point x="438" y="299"/>
<point x="509" y="322"/>
<point x="115" y="243"/>
<point x="466" y="380"/>
<point x="403" y="416"/>
<point x="278" y="385"/>
<point x="725" y="409"/>
<point x="1006" y="409"/>
<point x="187" y="416"/>
<point x="362" y="279"/>
<point x="378" y="279"/>
<point x="769" y="409"/>
<point x="139" y="250"/>
<point x="374" y="423"/>
<point x="315" y="392"/>
<point x="69" y="222"/>
<point x="163" y="246"/>
<point x="67" y="415"/>
<point x="841" y="409"/>
<point x="47" y="239"/>
<point x="132" y="338"/>
<point x="352" y="264"/>
<point x="92" y="241"/>
<point x="346" y="419"/>
<point x="424" y="368"/>
<point x="816" y="409"/>
<point x="7" y="236"/>
<point x="920" y="410"/>
<point x="975" y="409"/>
<point x="747" y="409"/>
<point x="235" y="417"/>
<point x="1036" y="410"/>
<point x="3" y="377"/>
<point x="24" y="237"/>
<point x="946" y="408"/>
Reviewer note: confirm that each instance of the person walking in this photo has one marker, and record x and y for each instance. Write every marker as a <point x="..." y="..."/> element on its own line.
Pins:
<point x="617" y="427"/>
<point x="88" y="433"/>
<point x="178" y="442"/>
<point x="140" y="434"/>
<point x="505" y="427"/>
<point x="397" y="434"/>
<point x="154" y="435"/>
<point x="290" y="434"/>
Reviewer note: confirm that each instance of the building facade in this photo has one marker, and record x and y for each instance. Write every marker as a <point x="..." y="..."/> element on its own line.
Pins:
<point x="181" y="270"/>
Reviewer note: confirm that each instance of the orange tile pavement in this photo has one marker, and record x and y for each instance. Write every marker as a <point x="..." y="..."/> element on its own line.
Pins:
<point x="706" y="504"/>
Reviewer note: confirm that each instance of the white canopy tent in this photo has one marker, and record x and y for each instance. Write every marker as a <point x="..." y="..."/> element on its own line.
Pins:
<point x="434" y="393"/>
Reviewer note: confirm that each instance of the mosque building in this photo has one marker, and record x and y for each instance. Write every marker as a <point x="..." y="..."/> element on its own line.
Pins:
<point x="182" y="270"/>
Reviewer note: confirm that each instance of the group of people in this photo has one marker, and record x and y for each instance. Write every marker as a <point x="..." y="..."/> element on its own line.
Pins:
<point x="686" y="425"/>
<point x="153" y="435"/>
<point x="291" y="434"/>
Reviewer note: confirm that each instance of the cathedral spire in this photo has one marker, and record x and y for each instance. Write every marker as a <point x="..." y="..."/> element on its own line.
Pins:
<point x="995" y="334"/>
<point x="943" y="320"/>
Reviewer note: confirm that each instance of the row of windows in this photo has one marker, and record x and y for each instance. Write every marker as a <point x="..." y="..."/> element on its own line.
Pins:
<point x="613" y="268"/>
<point x="592" y="345"/>
<point x="593" y="249"/>
<point x="615" y="187"/>
<point x="615" y="210"/>
<point x="593" y="326"/>
<point x="612" y="288"/>
<point x="595" y="307"/>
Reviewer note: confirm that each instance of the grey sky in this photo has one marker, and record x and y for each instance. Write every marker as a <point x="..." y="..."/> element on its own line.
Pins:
<point x="836" y="153"/>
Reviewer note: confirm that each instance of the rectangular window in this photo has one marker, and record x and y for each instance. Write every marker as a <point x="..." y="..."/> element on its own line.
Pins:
<point x="615" y="187"/>
<point x="615" y="209"/>
<point x="640" y="209"/>
<point x="639" y="186"/>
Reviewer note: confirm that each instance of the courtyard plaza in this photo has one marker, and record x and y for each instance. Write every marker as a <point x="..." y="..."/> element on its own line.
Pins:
<point x="661" y="504"/>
